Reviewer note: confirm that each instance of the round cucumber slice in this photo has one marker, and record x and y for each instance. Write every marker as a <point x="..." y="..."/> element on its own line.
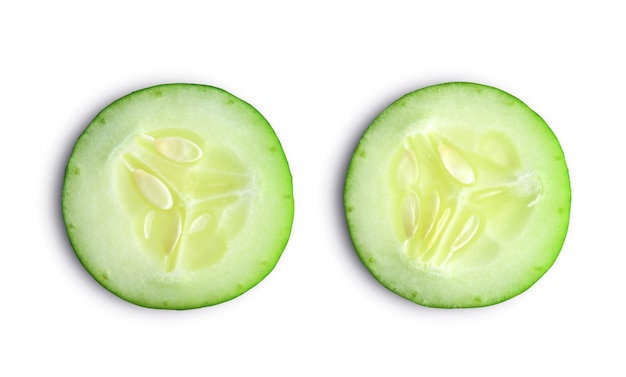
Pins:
<point x="178" y="196"/>
<point x="457" y="195"/>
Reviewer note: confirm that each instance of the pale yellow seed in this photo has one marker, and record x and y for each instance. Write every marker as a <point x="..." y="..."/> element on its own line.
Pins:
<point x="410" y="214"/>
<point x="456" y="165"/>
<point x="407" y="169"/>
<point x="147" y="224"/>
<point x="199" y="223"/>
<point x="467" y="233"/>
<point x="153" y="189"/>
<point x="178" y="149"/>
<point x="429" y="213"/>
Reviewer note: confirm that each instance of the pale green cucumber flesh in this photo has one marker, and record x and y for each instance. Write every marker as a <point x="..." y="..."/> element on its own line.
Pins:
<point x="458" y="195"/>
<point x="178" y="196"/>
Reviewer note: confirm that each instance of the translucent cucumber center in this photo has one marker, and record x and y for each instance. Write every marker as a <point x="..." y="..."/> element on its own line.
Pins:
<point x="187" y="198"/>
<point x="453" y="206"/>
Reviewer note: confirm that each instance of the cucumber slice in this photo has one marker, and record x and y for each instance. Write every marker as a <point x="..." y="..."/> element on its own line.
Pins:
<point x="178" y="196"/>
<point x="457" y="195"/>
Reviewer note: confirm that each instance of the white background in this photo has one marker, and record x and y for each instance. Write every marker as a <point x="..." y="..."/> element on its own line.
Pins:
<point x="319" y="72"/>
